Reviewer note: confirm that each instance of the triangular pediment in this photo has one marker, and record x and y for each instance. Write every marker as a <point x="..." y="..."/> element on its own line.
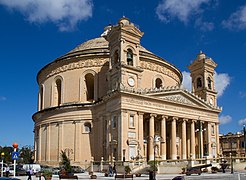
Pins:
<point x="132" y="30"/>
<point x="178" y="98"/>
<point x="181" y="96"/>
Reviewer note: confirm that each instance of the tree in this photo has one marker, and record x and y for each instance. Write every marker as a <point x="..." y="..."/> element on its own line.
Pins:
<point x="65" y="162"/>
<point x="26" y="155"/>
<point x="7" y="150"/>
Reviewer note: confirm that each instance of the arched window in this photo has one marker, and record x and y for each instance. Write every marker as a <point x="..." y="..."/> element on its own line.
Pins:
<point x="57" y="92"/>
<point x="209" y="83"/>
<point x="89" y="82"/>
<point x="87" y="127"/>
<point x="129" y="57"/>
<point x="158" y="83"/>
<point x="199" y="82"/>
<point x="41" y="97"/>
<point x="116" y="57"/>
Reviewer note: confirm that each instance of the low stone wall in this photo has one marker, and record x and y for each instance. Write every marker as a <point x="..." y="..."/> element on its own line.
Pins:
<point x="171" y="167"/>
<point x="239" y="166"/>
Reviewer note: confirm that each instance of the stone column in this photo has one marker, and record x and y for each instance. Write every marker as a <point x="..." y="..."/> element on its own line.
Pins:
<point x="151" y="136"/>
<point x="163" y="135"/>
<point x="217" y="139"/>
<point x="184" y="154"/>
<point x="209" y="150"/>
<point x="201" y="139"/>
<point x="173" y="139"/>
<point x="192" y="139"/>
<point x="140" y="133"/>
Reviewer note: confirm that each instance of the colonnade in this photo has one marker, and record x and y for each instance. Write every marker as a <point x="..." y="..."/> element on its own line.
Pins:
<point x="182" y="138"/>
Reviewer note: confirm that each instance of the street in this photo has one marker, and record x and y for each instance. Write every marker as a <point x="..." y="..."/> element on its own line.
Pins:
<point x="216" y="176"/>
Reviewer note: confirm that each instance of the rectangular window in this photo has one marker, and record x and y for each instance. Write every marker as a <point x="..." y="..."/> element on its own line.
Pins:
<point x="242" y="144"/>
<point x="212" y="129"/>
<point x="86" y="128"/>
<point x="131" y="121"/>
<point x="114" y="121"/>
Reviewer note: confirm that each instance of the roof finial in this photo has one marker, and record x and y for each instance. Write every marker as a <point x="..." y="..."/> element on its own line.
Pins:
<point x="201" y="55"/>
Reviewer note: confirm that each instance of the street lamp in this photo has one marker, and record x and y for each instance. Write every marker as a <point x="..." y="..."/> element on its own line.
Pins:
<point x="156" y="139"/>
<point x="2" y="157"/>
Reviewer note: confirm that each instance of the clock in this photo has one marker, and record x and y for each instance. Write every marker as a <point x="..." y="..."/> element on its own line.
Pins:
<point x="131" y="81"/>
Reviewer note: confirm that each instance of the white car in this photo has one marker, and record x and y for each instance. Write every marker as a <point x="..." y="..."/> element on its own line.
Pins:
<point x="35" y="167"/>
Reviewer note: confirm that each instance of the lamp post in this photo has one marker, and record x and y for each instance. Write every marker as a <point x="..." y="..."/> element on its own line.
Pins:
<point x="2" y="157"/>
<point x="156" y="139"/>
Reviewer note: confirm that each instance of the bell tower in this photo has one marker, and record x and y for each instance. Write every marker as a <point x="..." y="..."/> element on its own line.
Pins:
<point x="202" y="75"/>
<point x="124" y="43"/>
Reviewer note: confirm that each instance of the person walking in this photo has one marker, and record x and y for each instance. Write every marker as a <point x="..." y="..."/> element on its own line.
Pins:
<point x="110" y="169"/>
<point x="30" y="173"/>
<point x="7" y="171"/>
<point x="114" y="170"/>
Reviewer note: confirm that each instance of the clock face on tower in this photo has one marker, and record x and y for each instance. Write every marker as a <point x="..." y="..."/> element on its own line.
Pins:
<point x="131" y="81"/>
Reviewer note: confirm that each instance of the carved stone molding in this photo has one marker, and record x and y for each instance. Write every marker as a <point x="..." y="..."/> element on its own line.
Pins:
<point x="77" y="65"/>
<point x="178" y="98"/>
<point x="160" y="69"/>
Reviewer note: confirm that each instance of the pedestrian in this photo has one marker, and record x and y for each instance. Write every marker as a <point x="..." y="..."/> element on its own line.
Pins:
<point x="114" y="170"/>
<point x="7" y="171"/>
<point x="110" y="169"/>
<point x="30" y="173"/>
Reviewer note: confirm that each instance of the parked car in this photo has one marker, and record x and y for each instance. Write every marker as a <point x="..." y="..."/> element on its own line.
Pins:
<point x="7" y="178"/>
<point x="77" y="169"/>
<point x="35" y="167"/>
<point x="19" y="171"/>
<point x="55" y="170"/>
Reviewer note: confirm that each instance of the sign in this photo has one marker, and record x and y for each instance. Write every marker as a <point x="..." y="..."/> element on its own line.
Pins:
<point x="15" y="155"/>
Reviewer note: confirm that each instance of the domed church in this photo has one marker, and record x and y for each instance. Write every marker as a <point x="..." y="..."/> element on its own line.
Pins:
<point x="112" y="99"/>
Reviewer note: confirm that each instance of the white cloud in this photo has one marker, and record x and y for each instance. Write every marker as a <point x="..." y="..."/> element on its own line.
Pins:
<point x="225" y="119"/>
<point x="221" y="82"/>
<point x="204" y="26"/>
<point x="64" y="13"/>
<point x="242" y="122"/>
<point x="186" y="80"/>
<point x="180" y="9"/>
<point x="237" y="20"/>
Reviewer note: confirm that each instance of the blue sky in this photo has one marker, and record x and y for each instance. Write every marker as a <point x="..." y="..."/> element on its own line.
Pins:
<point x="35" y="32"/>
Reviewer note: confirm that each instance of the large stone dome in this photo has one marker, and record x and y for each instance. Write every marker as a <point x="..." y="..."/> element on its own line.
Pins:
<point x="96" y="43"/>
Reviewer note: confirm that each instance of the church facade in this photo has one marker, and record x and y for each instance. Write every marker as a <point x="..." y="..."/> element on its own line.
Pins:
<point x="111" y="98"/>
